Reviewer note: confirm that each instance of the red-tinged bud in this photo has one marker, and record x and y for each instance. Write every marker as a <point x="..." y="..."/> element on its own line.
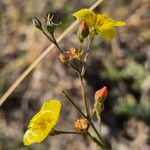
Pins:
<point x="101" y="94"/>
<point x="83" y="31"/>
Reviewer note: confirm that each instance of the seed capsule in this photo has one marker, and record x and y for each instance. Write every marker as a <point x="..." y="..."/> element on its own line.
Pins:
<point x="81" y="124"/>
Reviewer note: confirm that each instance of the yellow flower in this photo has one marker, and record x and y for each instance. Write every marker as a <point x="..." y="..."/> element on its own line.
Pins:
<point x="43" y="122"/>
<point x="99" y="23"/>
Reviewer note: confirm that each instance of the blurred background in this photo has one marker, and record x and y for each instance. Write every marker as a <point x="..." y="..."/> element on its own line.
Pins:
<point x="123" y="65"/>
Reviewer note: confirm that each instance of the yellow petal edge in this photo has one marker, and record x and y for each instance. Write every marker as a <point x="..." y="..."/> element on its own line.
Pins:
<point x="43" y="122"/>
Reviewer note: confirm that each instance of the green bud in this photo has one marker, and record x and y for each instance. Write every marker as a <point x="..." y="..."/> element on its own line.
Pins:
<point x="37" y="23"/>
<point x="50" y="28"/>
<point x="50" y="25"/>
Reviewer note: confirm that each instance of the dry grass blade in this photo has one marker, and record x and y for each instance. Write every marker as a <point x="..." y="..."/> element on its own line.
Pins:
<point x="30" y="68"/>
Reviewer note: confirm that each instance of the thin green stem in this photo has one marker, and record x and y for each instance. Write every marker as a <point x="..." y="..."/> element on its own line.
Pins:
<point x="94" y="128"/>
<point x="90" y="122"/>
<point x="83" y="88"/>
<point x="90" y="39"/>
<point x="99" y="119"/>
<point x="53" y="40"/>
<point x="57" y="132"/>
<point x="75" y="106"/>
<point x="49" y="38"/>
<point x="56" y="44"/>
<point x="95" y="140"/>
<point x="81" y="75"/>
<point x="84" y="95"/>
<point x="73" y="67"/>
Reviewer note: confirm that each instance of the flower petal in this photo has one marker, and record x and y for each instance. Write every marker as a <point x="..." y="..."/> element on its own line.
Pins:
<point x="34" y="135"/>
<point x="41" y="117"/>
<point x="39" y="128"/>
<point x="53" y="106"/>
<point x="107" y="32"/>
<point x="86" y="15"/>
<point x="116" y="23"/>
<point x="43" y="122"/>
<point x="103" y="20"/>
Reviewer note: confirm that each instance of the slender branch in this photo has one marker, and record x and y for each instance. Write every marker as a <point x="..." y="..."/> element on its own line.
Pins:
<point x="83" y="89"/>
<point x="81" y="75"/>
<point x="83" y="69"/>
<point x="95" y="140"/>
<point x="53" y="40"/>
<point x="74" y="68"/>
<point x="84" y="95"/>
<point x="98" y="115"/>
<point x="91" y="123"/>
<point x="94" y="128"/>
<point x="47" y="36"/>
<point x="57" y="132"/>
<point x="75" y="106"/>
<point x="56" y="43"/>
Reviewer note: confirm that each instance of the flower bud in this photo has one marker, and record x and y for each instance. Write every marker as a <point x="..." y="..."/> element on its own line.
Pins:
<point x="101" y="94"/>
<point x="81" y="124"/>
<point x="37" y="23"/>
<point x="83" y="31"/>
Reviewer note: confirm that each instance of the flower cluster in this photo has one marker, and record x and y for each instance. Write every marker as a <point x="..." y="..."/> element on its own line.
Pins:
<point x="43" y="123"/>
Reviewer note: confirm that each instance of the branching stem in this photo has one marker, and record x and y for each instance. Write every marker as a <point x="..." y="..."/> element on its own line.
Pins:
<point x="49" y="38"/>
<point x="74" y="105"/>
<point x="57" y="132"/>
<point x="95" y="140"/>
<point x="90" y="121"/>
<point x="56" y="44"/>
